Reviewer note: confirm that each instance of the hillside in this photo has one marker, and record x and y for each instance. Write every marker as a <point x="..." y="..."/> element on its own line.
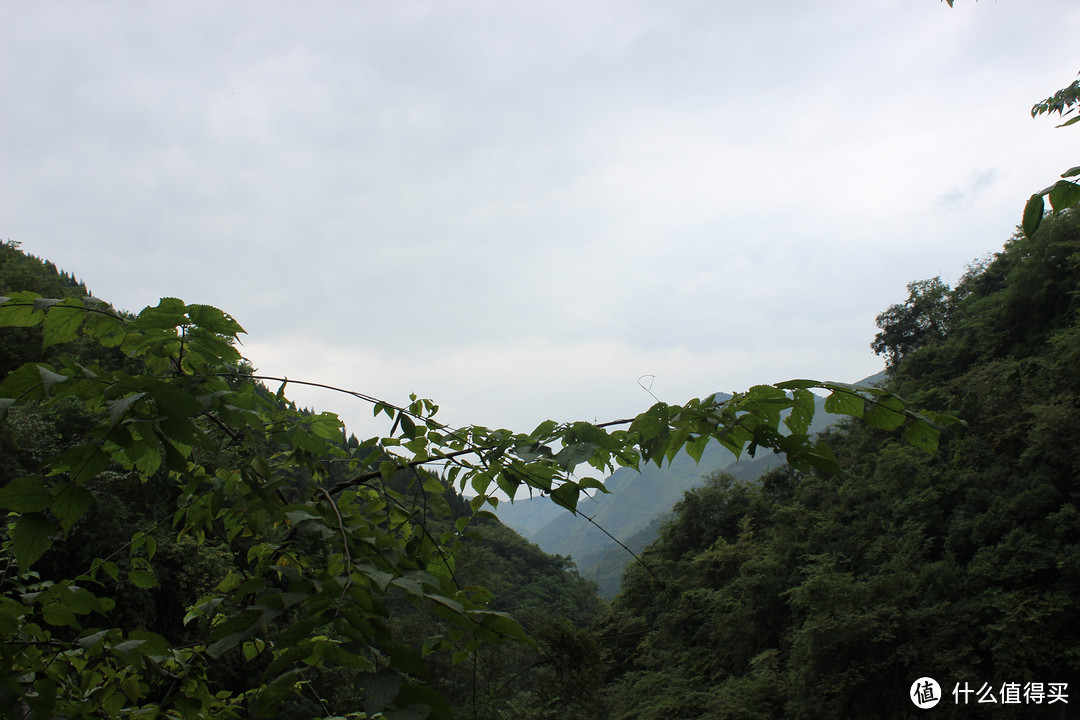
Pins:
<point x="155" y="579"/>
<point x="817" y="596"/>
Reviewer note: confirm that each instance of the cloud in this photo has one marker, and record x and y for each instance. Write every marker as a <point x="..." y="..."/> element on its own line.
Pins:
<point x="523" y="208"/>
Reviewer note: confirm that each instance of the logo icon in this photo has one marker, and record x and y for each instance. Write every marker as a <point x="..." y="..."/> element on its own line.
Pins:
<point x="925" y="693"/>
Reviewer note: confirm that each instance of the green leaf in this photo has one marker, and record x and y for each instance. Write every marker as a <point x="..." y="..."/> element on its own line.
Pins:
<point x="62" y="323"/>
<point x="922" y="435"/>
<point x="379" y="690"/>
<point x="885" y="413"/>
<point x="19" y="310"/>
<point x="118" y="408"/>
<point x="573" y="455"/>
<point x="71" y="503"/>
<point x="566" y="495"/>
<point x="82" y="463"/>
<point x="408" y="427"/>
<point x="92" y="639"/>
<point x="412" y="694"/>
<point x="841" y="402"/>
<point x="49" y="379"/>
<point x="212" y="319"/>
<point x="1064" y="194"/>
<point x="45" y="700"/>
<point x="142" y="573"/>
<point x="56" y="613"/>
<point x="1033" y="214"/>
<point x="802" y="411"/>
<point x="25" y="495"/>
<point x="798" y="384"/>
<point x="277" y="690"/>
<point x="31" y="537"/>
<point x="1072" y="172"/>
<point x="231" y="632"/>
<point x="696" y="447"/>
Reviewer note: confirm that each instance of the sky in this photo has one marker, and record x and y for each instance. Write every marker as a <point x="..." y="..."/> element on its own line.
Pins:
<point x="529" y="210"/>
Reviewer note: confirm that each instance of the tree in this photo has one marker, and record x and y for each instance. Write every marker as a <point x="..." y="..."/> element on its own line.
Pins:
<point x="924" y="318"/>
<point x="314" y="564"/>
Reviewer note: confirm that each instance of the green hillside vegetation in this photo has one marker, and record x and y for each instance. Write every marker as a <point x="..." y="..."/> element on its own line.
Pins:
<point x="814" y="595"/>
<point x="152" y="582"/>
<point x="183" y="541"/>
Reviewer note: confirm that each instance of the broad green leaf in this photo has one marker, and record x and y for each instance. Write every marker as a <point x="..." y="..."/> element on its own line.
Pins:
<point x="212" y="319"/>
<point x="43" y="701"/>
<point x="885" y="413"/>
<point x="232" y="632"/>
<point x="71" y="503"/>
<point x="798" y="384"/>
<point x="56" y="613"/>
<point x="413" y="694"/>
<point x="922" y="435"/>
<point x="277" y="690"/>
<point x="1033" y="214"/>
<point x="173" y="400"/>
<point x="696" y="447"/>
<point x="82" y="463"/>
<point x="408" y="427"/>
<point x="31" y="537"/>
<point x="1072" y="172"/>
<point x="19" y="310"/>
<point x="168" y="314"/>
<point x="380" y="689"/>
<point x="802" y="411"/>
<point x="573" y="455"/>
<point x="92" y="639"/>
<point x="189" y="708"/>
<point x="593" y="483"/>
<point x="118" y="408"/>
<point x="1064" y="194"/>
<point x="566" y="495"/>
<point x="25" y="494"/>
<point x="504" y="625"/>
<point x="535" y="451"/>
<point x="142" y="574"/>
<point x="50" y="379"/>
<point x="842" y="402"/>
<point x="151" y="644"/>
<point x="62" y="323"/>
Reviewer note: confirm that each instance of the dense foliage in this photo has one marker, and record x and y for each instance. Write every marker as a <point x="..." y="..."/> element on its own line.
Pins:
<point x="183" y="541"/>
<point x="814" y="595"/>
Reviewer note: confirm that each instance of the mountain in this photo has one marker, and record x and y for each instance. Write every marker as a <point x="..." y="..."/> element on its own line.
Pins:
<point x="632" y="510"/>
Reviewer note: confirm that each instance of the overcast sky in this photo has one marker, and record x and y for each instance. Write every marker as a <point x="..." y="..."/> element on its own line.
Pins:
<point x="518" y="209"/>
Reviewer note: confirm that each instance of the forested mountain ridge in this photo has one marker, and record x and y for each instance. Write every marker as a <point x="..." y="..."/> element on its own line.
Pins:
<point x="811" y="595"/>
<point x="155" y="577"/>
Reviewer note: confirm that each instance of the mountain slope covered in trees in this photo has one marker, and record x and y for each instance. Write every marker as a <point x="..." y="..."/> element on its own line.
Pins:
<point x="813" y="595"/>
<point x="155" y="576"/>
